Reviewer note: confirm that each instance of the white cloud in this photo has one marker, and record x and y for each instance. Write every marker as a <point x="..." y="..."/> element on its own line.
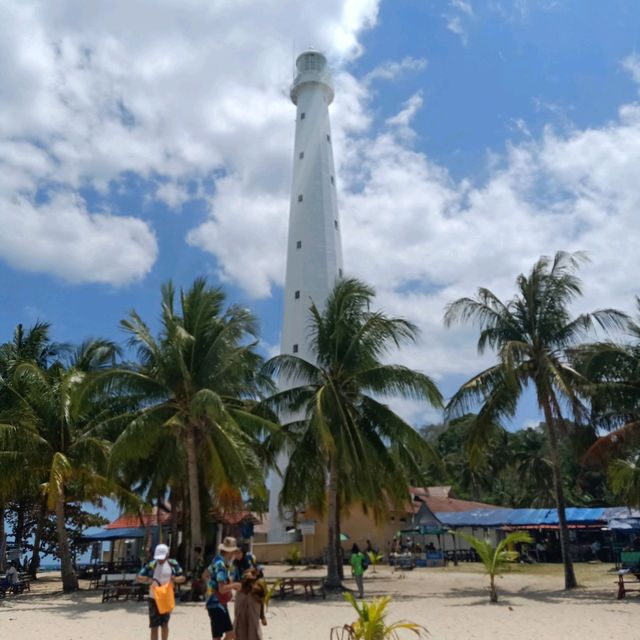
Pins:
<point x="195" y="93"/>
<point x="177" y="92"/>
<point x="402" y="120"/>
<point x="62" y="238"/>
<point x="392" y="70"/>
<point x="632" y="65"/>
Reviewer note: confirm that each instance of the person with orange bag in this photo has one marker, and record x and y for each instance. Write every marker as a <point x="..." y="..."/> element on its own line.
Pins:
<point x="161" y="573"/>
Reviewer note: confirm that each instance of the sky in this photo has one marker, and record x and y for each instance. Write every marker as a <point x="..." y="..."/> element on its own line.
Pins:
<point x="148" y="140"/>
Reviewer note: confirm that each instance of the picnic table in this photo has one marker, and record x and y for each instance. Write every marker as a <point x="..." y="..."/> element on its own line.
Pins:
<point x="627" y="577"/>
<point x="310" y="586"/>
<point x="122" y="586"/>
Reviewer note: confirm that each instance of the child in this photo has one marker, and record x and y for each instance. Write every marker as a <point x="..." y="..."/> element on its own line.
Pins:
<point x="249" y="608"/>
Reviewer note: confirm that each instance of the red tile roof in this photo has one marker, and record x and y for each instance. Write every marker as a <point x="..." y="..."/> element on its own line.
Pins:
<point x="132" y="520"/>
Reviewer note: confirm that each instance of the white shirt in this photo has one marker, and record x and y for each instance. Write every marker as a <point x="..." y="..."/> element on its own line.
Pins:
<point x="12" y="575"/>
<point x="162" y="573"/>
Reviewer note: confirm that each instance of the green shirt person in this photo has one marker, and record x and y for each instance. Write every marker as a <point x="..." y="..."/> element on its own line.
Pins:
<point x="357" y="568"/>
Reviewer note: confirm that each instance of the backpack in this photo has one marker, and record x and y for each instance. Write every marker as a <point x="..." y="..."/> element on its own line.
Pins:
<point x="366" y="561"/>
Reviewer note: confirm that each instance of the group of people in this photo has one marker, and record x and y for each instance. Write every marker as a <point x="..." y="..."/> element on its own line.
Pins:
<point x="232" y="571"/>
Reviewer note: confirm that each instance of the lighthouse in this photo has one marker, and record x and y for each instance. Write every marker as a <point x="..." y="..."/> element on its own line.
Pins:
<point x="314" y="248"/>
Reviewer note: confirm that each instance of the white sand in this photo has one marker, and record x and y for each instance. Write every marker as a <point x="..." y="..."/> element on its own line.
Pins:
<point x="452" y="603"/>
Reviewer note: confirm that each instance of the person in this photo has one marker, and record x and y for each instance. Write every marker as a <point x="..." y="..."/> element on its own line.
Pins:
<point x="368" y="547"/>
<point x="357" y="568"/>
<point x="541" y="550"/>
<point x="246" y="561"/>
<point x="12" y="575"/>
<point x="595" y="549"/>
<point x="249" y="607"/>
<point x="198" y="585"/>
<point x="221" y="584"/>
<point x="160" y="571"/>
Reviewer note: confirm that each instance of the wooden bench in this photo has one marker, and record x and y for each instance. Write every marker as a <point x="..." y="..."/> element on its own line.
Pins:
<point x="310" y="586"/>
<point x="125" y="586"/>
<point x="627" y="577"/>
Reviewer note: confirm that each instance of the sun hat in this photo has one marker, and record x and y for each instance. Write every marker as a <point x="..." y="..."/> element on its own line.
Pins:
<point x="161" y="552"/>
<point x="229" y="544"/>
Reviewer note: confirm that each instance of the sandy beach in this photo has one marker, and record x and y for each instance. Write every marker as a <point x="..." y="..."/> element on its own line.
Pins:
<point x="452" y="603"/>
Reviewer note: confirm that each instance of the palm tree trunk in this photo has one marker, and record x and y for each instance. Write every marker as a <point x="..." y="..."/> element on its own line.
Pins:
<point x="194" y="494"/>
<point x="69" y="577"/>
<point x="2" y="538"/>
<point x="493" y="594"/>
<point x="333" y="576"/>
<point x="34" y="565"/>
<point x="569" y="574"/>
<point x="339" y="552"/>
<point x="175" y="502"/>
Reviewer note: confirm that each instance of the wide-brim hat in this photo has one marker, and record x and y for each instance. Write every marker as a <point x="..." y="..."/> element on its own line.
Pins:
<point x="229" y="545"/>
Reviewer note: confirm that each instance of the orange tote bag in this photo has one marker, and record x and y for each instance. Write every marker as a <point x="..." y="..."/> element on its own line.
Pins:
<point x="164" y="597"/>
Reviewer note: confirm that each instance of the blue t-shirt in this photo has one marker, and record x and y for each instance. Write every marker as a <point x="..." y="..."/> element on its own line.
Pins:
<point x="218" y="575"/>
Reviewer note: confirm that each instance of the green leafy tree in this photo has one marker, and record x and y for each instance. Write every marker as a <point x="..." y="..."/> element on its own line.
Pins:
<point x="56" y="428"/>
<point x="533" y="334"/>
<point x="345" y="438"/>
<point x="199" y="378"/>
<point x="496" y="559"/>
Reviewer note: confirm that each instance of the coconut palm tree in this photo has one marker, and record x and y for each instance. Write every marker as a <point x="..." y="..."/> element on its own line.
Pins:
<point x="199" y="378"/>
<point x="371" y="623"/>
<point x="344" y="437"/>
<point x="533" y="334"/>
<point x="55" y="425"/>
<point x="614" y="371"/>
<point x="496" y="559"/>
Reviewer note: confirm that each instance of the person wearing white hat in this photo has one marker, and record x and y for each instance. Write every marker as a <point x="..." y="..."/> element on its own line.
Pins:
<point x="220" y="588"/>
<point x="160" y="571"/>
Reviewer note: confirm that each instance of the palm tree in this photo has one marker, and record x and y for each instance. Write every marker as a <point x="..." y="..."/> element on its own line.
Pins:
<point x="372" y="624"/>
<point x="614" y="370"/>
<point x="199" y="379"/>
<point x="346" y="439"/>
<point x="496" y="559"/>
<point x="533" y="334"/>
<point x="624" y="478"/>
<point x="56" y="427"/>
<point x="33" y="345"/>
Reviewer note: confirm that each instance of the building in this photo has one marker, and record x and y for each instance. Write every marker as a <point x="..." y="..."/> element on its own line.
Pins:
<point x="314" y="249"/>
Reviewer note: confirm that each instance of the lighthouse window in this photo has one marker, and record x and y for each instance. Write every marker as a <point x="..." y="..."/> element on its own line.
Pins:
<point x="296" y="295"/>
<point x="335" y="224"/>
<point x="303" y="115"/>
<point x="339" y="273"/>
<point x="295" y="348"/>
<point x="299" y="244"/>
<point x="301" y="155"/>
<point x="332" y="180"/>
<point x="328" y="138"/>
<point x="300" y="198"/>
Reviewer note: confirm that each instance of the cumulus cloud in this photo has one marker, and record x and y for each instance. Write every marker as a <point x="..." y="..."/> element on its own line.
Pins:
<point x="193" y="97"/>
<point x="60" y="237"/>
<point x="176" y="92"/>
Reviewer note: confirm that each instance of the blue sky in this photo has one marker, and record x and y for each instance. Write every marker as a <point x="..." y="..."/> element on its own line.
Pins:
<point x="142" y="141"/>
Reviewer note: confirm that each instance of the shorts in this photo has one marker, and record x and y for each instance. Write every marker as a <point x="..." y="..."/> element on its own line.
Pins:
<point x="220" y="621"/>
<point x="157" y="619"/>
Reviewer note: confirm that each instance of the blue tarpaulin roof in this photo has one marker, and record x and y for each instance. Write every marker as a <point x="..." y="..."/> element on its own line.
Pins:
<point x="520" y="517"/>
<point x="113" y="534"/>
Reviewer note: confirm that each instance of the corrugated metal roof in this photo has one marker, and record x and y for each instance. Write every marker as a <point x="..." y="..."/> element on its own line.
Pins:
<point x="114" y="534"/>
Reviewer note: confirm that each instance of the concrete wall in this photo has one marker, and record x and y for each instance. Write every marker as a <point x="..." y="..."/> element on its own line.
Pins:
<point x="274" y="551"/>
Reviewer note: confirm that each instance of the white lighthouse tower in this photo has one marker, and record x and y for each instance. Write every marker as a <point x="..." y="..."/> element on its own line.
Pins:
<point x="314" y="250"/>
